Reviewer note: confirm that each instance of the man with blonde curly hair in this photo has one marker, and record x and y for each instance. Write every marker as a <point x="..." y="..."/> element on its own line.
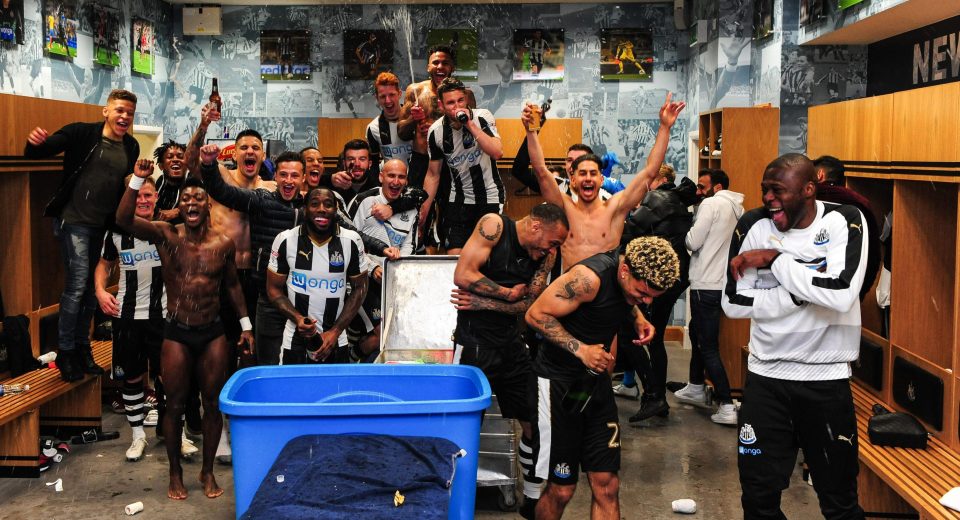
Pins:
<point x="579" y="314"/>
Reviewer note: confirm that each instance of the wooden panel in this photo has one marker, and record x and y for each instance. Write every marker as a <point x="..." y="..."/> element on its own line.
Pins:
<point x="880" y="195"/>
<point x="79" y="407"/>
<point x="875" y="496"/>
<point x="750" y="143"/>
<point x="19" y="115"/>
<point x="923" y="308"/>
<point x="47" y="263"/>
<point x="556" y="137"/>
<point x="15" y="265"/>
<point x="19" y="439"/>
<point x="857" y="130"/>
<point x="517" y="206"/>
<point x="925" y="124"/>
<point x="734" y="336"/>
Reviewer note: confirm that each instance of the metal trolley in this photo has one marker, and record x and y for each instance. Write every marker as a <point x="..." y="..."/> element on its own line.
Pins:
<point x="417" y="327"/>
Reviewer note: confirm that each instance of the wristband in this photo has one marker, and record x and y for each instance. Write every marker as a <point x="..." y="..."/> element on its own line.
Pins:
<point x="245" y="324"/>
<point x="136" y="183"/>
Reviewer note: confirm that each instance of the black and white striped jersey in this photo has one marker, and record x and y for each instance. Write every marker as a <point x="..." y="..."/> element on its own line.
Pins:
<point x="384" y="141"/>
<point x="317" y="276"/>
<point x="141" y="293"/>
<point x="475" y="177"/>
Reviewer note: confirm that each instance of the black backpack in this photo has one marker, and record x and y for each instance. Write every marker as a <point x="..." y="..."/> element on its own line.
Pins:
<point x="15" y="339"/>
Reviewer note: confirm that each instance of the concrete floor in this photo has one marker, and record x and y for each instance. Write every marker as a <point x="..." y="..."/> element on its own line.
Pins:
<point x="683" y="456"/>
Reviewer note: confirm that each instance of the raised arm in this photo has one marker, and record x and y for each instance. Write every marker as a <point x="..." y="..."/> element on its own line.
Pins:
<point x="564" y="296"/>
<point x="41" y="144"/>
<point x="475" y="253"/>
<point x="208" y="114"/>
<point x="548" y="186"/>
<point x="633" y="194"/>
<point x="126" y="211"/>
<point x="410" y="115"/>
<point x="232" y="197"/>
<point x="485" y="133"/>
<point x="232" y="284"/>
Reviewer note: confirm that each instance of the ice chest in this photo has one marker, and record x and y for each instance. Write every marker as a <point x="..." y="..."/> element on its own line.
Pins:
<point x="268" y="406"/>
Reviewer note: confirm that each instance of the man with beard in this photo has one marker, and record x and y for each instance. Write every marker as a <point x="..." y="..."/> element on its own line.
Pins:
<point x="579" y="315"/>
<point x="466" y="140"/>
<point x="310" y="268"/>
<point x="420" y="99"/>
<point x="597" y="225"/>
<point x="796" y="268"/>
<point x="399" y="231"/>
<point x="503" y="267"/>
<point x="197" y="261"/>
<point x="355" y="176"/>
<point x="96" y="158"/>
<point x="385" y="143"/>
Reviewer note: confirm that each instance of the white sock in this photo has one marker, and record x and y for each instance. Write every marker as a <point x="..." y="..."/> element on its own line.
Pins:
<point x="695" y="387"/>
<point x="138" y="432"/>
<point x="532" y="490"/>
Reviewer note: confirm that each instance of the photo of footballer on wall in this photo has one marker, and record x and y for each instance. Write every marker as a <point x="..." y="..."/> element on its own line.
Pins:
<point x="142" y="47"/>
<point x="626" y="55"/>
<point x="105" y="22"/>
<point x="285" y="56"/>
<point x="367" y="53"/>
<point x="465" y="48"/>
<point x="60" y="28"/>
<point x="538" y="54"/>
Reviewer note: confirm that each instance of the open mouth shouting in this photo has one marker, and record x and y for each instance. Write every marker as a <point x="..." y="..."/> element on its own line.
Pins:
<point x="288" y="190"/>
<point x="588" y="189"/>
<point x="175" y="167"/>
<point x="394" y="191"/>
<point x="122" y="125"/>
<point x="779" y="217"/>
<point x="191" y="214"/>
<point x="250" y="166"/>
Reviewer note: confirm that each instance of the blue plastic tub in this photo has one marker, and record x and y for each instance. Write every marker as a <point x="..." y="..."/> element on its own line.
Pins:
<point x="269" y="406"/>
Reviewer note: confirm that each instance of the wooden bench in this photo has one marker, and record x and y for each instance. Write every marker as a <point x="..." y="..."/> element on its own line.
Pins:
<point x="52" y="404"/>
<point x="900" y="480"/>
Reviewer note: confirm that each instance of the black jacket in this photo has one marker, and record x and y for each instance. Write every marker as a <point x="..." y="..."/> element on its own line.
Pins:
<point x="77" y="141"/>
<point x="664" y="213"/>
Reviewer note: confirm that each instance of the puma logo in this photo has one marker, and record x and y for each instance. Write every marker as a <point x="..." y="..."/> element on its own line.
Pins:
<point x="306" y="254"/>
<point x="848" y="440"/>
<point x="739" y="234"/>
<point x="857" y="227"/>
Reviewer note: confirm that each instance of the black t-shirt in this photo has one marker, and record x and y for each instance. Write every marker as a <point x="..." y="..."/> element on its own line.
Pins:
<point x="97" y="192"/>
<point x="508" y="265"/>
<point x="593" y="323"/>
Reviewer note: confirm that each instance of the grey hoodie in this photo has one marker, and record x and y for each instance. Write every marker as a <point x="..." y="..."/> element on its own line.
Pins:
<point x="709" y="239"/>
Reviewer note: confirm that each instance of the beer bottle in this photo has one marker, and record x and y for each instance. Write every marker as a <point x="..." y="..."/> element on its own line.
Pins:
<point x="215" y="95"/>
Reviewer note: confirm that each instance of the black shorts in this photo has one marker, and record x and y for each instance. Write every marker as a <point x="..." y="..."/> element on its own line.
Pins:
<point x="135" y="344"/>
<point x="195" y="337"/>
<point x="578" y="421"/>
<point x="510" y="373"/>
<point x="458" y="220"/>
<point x="369" y="314"/>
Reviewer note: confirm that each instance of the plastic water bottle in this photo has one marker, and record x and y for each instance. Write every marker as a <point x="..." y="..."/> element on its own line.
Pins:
<point x="47" y="358"/>
<point x="13" y="388"/>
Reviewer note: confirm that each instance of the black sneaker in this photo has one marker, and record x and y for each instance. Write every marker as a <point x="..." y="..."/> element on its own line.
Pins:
<point x="528" y="509"/>
<point x="87" y="364"/>
<point x="69" y="368"/>
<point x="651" y="406"/>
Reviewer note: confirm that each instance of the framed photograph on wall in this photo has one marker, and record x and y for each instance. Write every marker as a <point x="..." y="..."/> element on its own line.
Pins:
<point x="105" y="23"/>
<point x="626" y="55"/>
<point x="538" y="54"/>
<point x="11" y="21"/>
<point x="59" y="28"/>
<point x="463" y="42"/>
<point x="285" y="56"/>
<point x="141" y="45"/>
<point x="843" y="4"/>
<point x="367" y="53"/>
<point x="762" y="19"/>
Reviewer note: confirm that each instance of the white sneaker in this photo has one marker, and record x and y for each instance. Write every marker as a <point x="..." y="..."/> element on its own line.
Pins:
<point x="630" y="392"/>
<point x="224" y="453"/>
<point x="151" y="418"/>
<point x="726" y="414"/>
<point x="135" y="451"/>
<point x="187" y="448"/>
<point x="692" y="394"/>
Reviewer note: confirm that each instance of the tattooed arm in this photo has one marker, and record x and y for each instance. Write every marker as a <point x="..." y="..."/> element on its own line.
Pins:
<point x="465" y="300"/>
<point x="475" y="254"/>
<point x="563" y="297"/>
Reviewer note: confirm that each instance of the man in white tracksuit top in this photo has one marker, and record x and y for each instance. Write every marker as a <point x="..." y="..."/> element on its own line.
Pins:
<point x="796" y="268"/>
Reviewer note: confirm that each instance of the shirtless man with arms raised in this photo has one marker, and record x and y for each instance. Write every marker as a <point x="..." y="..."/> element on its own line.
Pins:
<point x="420" y="99"/>
<point x="596" y="225"/>
<point x="196" y="261"/>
